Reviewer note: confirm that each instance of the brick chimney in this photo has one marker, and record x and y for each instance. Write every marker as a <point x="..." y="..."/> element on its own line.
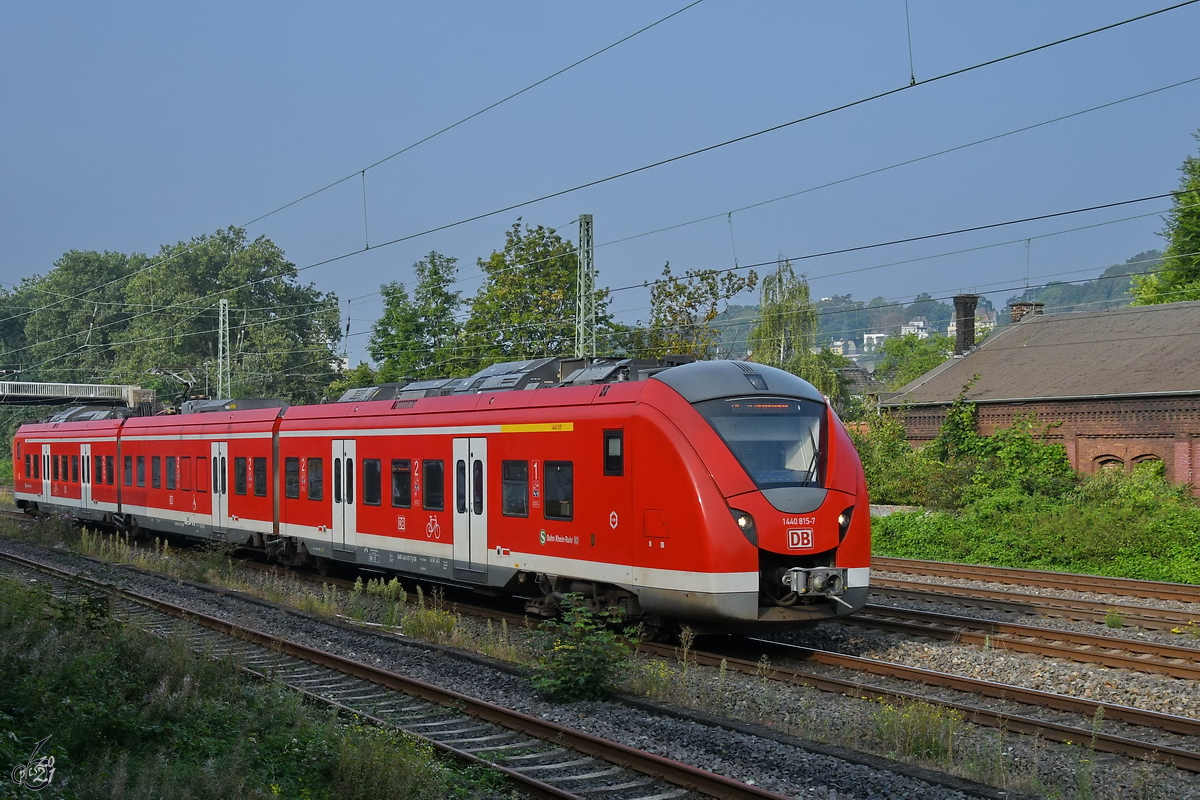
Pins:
<point x="1023" y="308"/>
<point x="964" y="322"/>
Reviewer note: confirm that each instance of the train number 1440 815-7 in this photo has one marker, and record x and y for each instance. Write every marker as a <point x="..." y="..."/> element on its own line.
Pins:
<point x="799" y="520"/>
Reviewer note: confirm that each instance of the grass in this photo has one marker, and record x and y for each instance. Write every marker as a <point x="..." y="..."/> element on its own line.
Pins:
<point x="134" y="716"/>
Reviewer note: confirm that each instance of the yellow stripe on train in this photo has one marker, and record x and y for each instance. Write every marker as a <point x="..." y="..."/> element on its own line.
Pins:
<point x="538" y="427"/>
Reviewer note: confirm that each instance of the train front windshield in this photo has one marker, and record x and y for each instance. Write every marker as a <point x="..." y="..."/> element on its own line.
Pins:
<point x="777" y="440"/>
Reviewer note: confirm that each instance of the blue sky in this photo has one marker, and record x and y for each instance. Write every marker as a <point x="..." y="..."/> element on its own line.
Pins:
<point x="131" y="125"/>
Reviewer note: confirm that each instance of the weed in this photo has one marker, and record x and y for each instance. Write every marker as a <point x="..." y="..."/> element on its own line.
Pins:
<point x="653" y="678"/>
<point x="1114" y="619"/>
<point x="579" y="657"/>
<point x="918" y="730"/>
<point x="431" y="624"/>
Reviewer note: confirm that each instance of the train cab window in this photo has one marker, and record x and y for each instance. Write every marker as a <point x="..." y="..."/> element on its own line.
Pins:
<point x="141" y="470"/>
<point x="185" y="473"/>
<point x="201" y="473"/>
<point x="372" y="481"/>
<point x="155" y="472"/>
<point x="514" y="488"/>
<point x="239" y="475"/>
<point x="129" y="470"/>
<point x="54" y="460"/>
<point x="172" y="473"/>
<point x="316" y="479"/>
<point x="291" y="478"/>
<point x="74" y="469"/>
<point x="434" y="490"/>
<point x="560" y="490"/>
<point x="614" y="452"/>
<point x="108" y="470"/>
<point x="401" y="483"/>
<point x="260" y="477"/>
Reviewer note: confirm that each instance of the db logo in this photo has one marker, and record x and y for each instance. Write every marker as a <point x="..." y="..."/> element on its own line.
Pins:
<point x="800" y="538"/>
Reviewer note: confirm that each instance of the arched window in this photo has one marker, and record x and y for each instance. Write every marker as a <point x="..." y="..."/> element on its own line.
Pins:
<point x="1109" y="462"/>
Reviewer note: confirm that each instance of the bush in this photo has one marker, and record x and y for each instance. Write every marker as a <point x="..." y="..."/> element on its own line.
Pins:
<point x="579" y="657"/>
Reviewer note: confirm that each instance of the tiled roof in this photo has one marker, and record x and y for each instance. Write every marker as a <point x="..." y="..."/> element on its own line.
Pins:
<point x="1126" y="351"/>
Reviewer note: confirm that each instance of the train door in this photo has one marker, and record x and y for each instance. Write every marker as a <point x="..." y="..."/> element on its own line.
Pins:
<point x="219" y="451"/>
<point x="345" y="523"/>
<point x="46" y="471"/>
<point x="470" y="506"/>
<point x="85" y="475"/>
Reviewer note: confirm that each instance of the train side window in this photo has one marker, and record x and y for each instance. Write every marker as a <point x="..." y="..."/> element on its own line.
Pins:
<point x="172" y="472"/>
<point x="401" y="483"/>
<point x="28" y="466"/>
<point x="316" y="479"/>
<point x="74" y="469"/>
<point x="560" y="490"/>
<point x="141" y="470"/>
<point x="108" y="470"/>
<point x="460" y="492"/>
<point x="239" y="475"/>
<point x="37" y="462"/>
<point x="291" y="477"/>
<point x="185" y="473"/>
<point x="202" y="473"/>
<point x="514" y="488"/>
<point x="98" y="469"/>
<point x="372" y="478"/>
<point x="260" y="476"/>
<point x="477" y="487"/>
<point x="155" y="472"/>
<point x="129" y="470"/>
<point x="614" y="452"/>
<point x="434" y="489"/>
<point x="337" y="480"/>
<point x="350" y="481"/>
<point x="64" y="469"/>
<point x="54" y="459"/>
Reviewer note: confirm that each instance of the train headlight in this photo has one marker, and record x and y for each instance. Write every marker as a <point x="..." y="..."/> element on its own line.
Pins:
<point x="844" y="522"/>
<point x="745" y="524"/>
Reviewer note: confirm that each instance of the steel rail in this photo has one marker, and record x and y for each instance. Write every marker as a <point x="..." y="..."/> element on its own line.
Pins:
<point x="1052" y="731"/>
<point x="1110" y="651"/>
<point x="1036" y="604"/>
<point x="673" y="772"/>
<point x="1132" y="587"/>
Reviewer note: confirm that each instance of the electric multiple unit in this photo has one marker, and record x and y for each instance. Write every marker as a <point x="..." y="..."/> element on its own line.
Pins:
<point x="722" y="494"/>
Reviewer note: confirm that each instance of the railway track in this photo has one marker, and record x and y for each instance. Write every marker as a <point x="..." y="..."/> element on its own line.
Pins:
<point x="541" y="758"/>
<point x="1109" y="651"/>
<point x="1157" y="590"/>
<point x="1076" y="647"/>
<point x="1034" y="604"/>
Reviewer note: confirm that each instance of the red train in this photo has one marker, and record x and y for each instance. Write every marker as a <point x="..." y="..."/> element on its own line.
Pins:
<point x="723" y="494"/>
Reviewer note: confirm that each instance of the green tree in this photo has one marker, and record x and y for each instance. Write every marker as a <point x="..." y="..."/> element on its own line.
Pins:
<point x="283" y="335"/>
<point x="906" y="358"/>
<point x="418" y="337"/>
<point x="78" y="312"/>
<point x="1179" y="276"/>
<point x="526" y="306"/>
<point x="786" y="333"/>
<point x="681" y="309"/>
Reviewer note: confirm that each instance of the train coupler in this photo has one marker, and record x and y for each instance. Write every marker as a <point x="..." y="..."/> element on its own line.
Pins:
<point x="828" y="582"/>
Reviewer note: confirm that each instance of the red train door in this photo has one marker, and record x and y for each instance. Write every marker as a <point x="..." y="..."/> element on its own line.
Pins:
<point x="345" y="522"/>
<point x="470" y="507"/>
<point x="220" y="485"/>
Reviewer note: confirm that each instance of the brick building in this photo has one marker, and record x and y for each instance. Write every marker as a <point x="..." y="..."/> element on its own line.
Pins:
<point x="1124" y="384"/>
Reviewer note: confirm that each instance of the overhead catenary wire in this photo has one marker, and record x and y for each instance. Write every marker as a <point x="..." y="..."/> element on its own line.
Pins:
<point x="403" y="150"/>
